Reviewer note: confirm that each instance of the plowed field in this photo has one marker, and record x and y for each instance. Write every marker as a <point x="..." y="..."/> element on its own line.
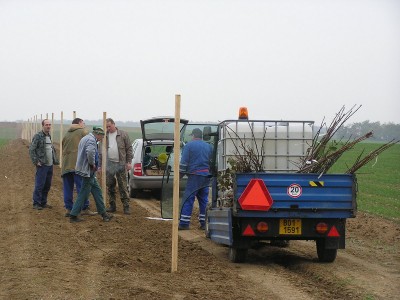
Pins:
<point x="43" y="256"/>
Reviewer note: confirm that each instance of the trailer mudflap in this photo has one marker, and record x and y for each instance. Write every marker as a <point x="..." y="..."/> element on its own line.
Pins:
<point x="219" y="225"/>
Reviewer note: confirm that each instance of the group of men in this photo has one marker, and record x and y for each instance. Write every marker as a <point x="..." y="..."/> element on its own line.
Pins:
<point x="80" y="162"/>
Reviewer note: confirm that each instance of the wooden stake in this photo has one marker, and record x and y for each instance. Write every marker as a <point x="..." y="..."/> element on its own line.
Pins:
<point x="61" y="138"/>
<point x="175" y="204"/>
<point x="52" y="124"/>
<point x="104" y="160"/>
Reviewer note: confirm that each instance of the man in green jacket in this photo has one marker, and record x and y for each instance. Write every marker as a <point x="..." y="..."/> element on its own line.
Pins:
<point x="70" y="144"/>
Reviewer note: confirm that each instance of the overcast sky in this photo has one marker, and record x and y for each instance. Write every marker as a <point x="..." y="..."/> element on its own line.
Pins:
<point x="296" y="60"/>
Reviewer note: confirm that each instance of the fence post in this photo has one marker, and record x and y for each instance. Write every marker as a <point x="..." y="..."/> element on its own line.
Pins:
<point x="61" y="138"/>
<point x="175" y="201"/>
<point x="104" y="160"/>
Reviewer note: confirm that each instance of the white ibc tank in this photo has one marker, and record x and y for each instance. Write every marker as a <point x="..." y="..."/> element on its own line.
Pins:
<point x="281" y="144"/>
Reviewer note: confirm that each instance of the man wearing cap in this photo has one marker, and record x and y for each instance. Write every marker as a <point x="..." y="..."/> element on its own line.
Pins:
<point x="119" y="158"/>
<point x="195" y="163"/>
<point x="86" y="166"/>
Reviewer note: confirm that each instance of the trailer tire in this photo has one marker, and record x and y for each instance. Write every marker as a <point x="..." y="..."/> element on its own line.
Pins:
<point x="325" y="255"/>
<point x="237" y="255"/>
<point x="280" y="243"/>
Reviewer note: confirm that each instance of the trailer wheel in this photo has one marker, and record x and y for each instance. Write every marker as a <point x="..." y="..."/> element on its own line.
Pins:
<point x="325" y="255"/>
<point x="280" y="243"/>
<point x="237" y="255"/>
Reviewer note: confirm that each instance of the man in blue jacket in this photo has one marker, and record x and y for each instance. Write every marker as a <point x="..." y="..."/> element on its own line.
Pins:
<point x="195" y="163"/>
<point x="86" y="166"/>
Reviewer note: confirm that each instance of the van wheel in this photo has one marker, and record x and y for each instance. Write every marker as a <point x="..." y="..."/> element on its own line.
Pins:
<point x="325" y="255"/>
<point x="133" y="193"/>
<point x="157" y="194"/>
<point x="237" y="255"/>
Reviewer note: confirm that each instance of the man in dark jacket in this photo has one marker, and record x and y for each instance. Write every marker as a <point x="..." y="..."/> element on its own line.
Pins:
<point x="70" y="144"/>
<point x="43" y="156"/>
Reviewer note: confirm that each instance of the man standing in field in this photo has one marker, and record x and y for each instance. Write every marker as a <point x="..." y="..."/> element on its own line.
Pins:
<point x="86" y="166"/>
<point x="195" y="163"/>
<point x="70" y="144"/>
<point x="43" y="156"/>
<point x="119" y="158"/>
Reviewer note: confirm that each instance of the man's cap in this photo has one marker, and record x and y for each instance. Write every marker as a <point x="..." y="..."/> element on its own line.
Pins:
<point x="197" y="133"/>
<point x="98" y="130"/>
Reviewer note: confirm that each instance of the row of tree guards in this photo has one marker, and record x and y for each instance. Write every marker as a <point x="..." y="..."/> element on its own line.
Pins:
<point x="34" y="124"/>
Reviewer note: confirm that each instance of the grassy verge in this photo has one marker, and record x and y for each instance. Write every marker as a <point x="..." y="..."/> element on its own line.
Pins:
<point x="3" y="142"/>
<point x="378" y="181"/>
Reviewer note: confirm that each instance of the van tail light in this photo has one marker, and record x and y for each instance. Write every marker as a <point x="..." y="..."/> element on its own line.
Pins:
<point x="137" y="169"/>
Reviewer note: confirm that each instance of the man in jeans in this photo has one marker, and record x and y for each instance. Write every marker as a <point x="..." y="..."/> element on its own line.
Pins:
<point x="43" y="156"/>
<point x="119" y="158"/>
<point x="86" y="166"/>
<point x="195" y="164"/>
<point x="70" y="144"/>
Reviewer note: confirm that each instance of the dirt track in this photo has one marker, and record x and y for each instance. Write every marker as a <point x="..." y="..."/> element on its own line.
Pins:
<point x="43" y="256"/>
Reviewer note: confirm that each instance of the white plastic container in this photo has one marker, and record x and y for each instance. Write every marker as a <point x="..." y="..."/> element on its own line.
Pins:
<point x="280" y="144"/>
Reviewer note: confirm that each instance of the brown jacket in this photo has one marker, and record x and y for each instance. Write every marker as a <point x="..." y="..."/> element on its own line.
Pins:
<point x="124" y="147"/>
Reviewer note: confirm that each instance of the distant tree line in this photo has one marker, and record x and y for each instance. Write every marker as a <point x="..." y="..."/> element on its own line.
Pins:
<point x="381" y="132"/>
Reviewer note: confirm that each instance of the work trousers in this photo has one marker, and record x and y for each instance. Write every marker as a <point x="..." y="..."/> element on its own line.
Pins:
<point x="69" y="180"/>
<point x="89" y="185"/>
<point x="43" y="177"/>
<point x="196" y="187"/>
<point x="116" y="173"/>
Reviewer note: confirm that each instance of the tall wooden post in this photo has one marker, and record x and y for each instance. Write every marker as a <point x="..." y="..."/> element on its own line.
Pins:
<point x="32" y="128"/>
<point x="175" y="203"/>
<point x="73" y="115"/>
<point x="104" y="160"/>
<point x="52" y="124"/>
<point x="61" y="137"/>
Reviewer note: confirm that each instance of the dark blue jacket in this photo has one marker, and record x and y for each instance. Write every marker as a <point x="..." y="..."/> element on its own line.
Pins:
<point x="196" y="157"/>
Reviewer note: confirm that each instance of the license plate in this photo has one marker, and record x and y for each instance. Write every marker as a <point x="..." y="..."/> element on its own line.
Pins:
<point x="290" y="226"/>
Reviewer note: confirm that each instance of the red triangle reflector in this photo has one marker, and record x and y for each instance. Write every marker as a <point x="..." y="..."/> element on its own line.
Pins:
<point x="248" y="231"/>
<point x="333" y="232"/>
<point x="255" y="196"/>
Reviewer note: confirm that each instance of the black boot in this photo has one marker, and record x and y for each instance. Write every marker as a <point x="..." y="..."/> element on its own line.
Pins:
<point x="74" y="219"/>
<point x="112" y="207"/>
<point x="127" y="210"/>
<point x="107" y="217"/>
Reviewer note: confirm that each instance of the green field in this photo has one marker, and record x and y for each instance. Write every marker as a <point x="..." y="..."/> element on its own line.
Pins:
<point x="378" y="181"/>
<point x="3" y="141"/>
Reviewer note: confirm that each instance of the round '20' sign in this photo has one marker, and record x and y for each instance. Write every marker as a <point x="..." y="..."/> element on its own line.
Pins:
<point x="294" y="190"/>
